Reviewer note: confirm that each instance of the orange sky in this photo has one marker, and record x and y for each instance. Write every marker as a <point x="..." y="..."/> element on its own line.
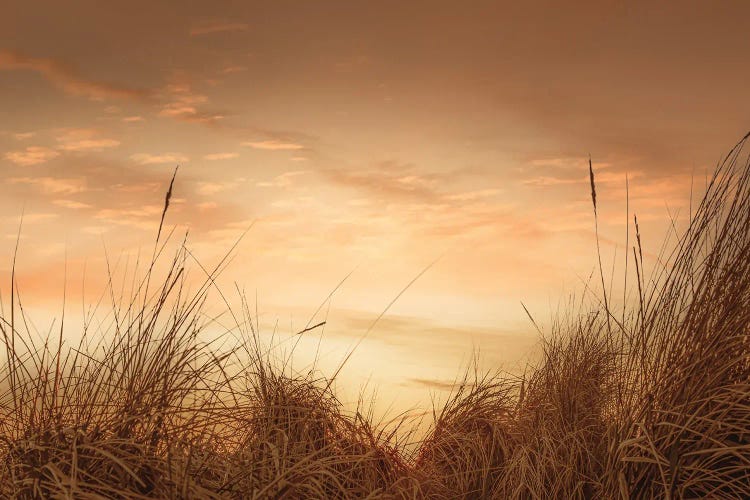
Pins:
<point x="376" y="136"/>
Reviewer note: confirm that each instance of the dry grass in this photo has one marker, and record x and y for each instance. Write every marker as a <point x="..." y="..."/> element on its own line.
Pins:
<point x="652" y="402"/>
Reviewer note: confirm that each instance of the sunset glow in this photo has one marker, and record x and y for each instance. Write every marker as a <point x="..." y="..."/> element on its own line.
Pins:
<point x="371" y="138"/>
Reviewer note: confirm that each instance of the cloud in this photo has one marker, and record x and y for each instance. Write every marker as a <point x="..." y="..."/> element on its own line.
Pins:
<point x="388" y="180"/>
<point x="431" y="204"/>
<point x="474" y="195"/>
<point x="600" y="177"/>
<point x="156" y="159"/>
<point x="70" y="140"/>
<point x="234" y="69"/>
<point x="149" y="211"/>
<point x="548" y="180"/>
<point x="85" y="140"/>
<point x="567" y="162"/>
<point x="440" y="385"/>
<point x="207" y="205"/>
<point x="32" y="155"/>
<point x="52" y="185"/>
<point x="220" y="156"/>
<point x="182" y="103"/>
<point x="22" y="136"/>
<point x="410" y="333"/>
<point x="101" y="192"/>
<point x="209" y="188"/>
<point x="176" y="100"/>
<point x="283" y="180"/>
<point x="136" y="186"/>
<point x="573" y="170"/>
<point x="218" y="27"/>
<point x="67" y="78"/>
<point x="72" y="204"/>
<point x="35" y="218"/>
<point x="274" y="145"/>
<point x="144" y="217"/>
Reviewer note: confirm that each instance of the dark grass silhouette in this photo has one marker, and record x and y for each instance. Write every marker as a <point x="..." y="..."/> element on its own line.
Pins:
<point x="650" y="402"/>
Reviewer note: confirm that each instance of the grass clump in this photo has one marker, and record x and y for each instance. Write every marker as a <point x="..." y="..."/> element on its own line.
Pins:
<point x="649" y="402"/>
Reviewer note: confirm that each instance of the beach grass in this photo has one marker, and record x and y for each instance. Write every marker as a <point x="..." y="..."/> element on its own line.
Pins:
<point x="648" y="402"/>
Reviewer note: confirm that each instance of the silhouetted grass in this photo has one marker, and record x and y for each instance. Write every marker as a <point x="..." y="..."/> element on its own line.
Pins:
<point x="650" y="402"/>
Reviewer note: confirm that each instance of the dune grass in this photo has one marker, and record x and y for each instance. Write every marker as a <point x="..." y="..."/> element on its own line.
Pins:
<point x="650" y="402"/>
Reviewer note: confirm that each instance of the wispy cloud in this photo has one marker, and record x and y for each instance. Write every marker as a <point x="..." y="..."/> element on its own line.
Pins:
<point x="52" y="185"/>
<point x="441" y="385"/>
<point x="474" y="195"/>
<point x="283" y="180"/>
<point x="220" y="156"/>
<point x="22" y="136"/>
<point x="33" y="155"/>
<point x="156" y="159"/>
<point x="104" y="192"/>
<point x="143" y="217"/>
<point x="210" y="27"/>
<point x="210" y="188"/>
<point x="183" y="103"/>
<point x="207" y="205"/>
<point x="85" y="140"/>
<point x="571" y="170"/>
<point x="274" y="145"/>
<point x="389" y="180"/>
<point x="35" y="218"/>
<point x="72" y="204"/>
<point x="432" y="203"/>
<point x="601" y="178"/>
<point x="549" y="180"/>
<point x="568" y="162"/>
<point x="71" y="140"/>
<point x="67" y="78"/>
<point x="132" y="119"/>
<point x="234" y="69"/>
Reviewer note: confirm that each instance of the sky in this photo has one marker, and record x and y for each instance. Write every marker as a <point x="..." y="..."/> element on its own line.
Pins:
<point x="373" y="138"/>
